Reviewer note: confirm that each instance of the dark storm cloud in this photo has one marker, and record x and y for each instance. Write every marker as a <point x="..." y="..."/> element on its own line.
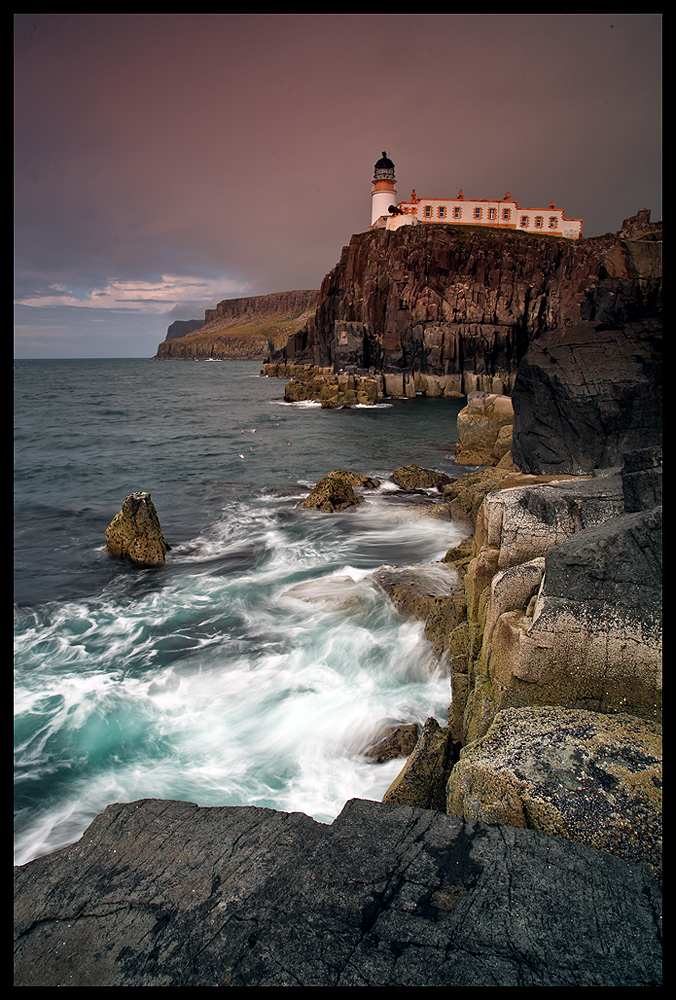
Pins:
<point x="164" y="162"/>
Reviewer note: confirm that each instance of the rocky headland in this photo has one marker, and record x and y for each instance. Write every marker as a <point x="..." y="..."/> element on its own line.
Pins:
<point x="242" y="329"/>
<point x="521" y="842"/>
<point x="443" y="310"/>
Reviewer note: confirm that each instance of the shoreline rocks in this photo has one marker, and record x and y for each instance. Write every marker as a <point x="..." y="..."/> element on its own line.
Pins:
<point x="552" y="634"/>
<point x="558" y="611"/>
<point x="366" y="387"/>
<point x="397" y="741"/>
<point x="415" y="477"/>
<point x="550" y="621"/>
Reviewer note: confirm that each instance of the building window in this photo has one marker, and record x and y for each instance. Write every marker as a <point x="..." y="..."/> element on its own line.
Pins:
<point x="524" y="221"/>
<point x="538" y="222"/>
<point x="428" y="211"/>
<point x="552" y="222"/>
<point x="491" y="213"/>
<point x="477" y="213"/>
<point x="457" y="212"/>
<point x="441" y="211"/>
<point x="506" y="213"/>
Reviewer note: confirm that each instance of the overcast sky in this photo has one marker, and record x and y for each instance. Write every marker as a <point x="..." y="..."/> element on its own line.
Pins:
<point x="166" y="162"/>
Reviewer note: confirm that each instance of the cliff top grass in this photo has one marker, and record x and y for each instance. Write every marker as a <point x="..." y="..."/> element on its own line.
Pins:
<point x="275" y="328"/>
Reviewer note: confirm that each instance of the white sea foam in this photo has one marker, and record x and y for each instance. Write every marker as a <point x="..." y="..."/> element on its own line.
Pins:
<point x="260" y="660"/>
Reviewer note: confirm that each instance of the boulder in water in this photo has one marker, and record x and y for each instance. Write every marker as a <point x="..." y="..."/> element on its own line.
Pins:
<point x="136" y="533"/>
<point x="414" y="477"/>
<point x="336" y="491"/>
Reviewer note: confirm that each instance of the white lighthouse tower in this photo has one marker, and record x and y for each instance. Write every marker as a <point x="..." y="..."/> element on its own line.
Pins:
<point x="384" y="190"/>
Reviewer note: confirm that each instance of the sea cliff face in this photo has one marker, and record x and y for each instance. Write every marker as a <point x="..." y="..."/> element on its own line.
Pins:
<point x="445" y="301"/>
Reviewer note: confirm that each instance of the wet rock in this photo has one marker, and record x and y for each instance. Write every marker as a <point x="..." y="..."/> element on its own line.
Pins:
<point x="414" y="589"/>
<point x="398" y="741"/>
<point x="592" y="778"/>
<point x="465" y="494"/>
<point x="422" y="781"/>
<point x="136" y="533"/>
<point x="334" y="390"/>
<point x="459" y="556"/>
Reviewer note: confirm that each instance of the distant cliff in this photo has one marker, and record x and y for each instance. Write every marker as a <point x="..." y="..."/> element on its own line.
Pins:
<point x="182" y="327"/>
<point x="448" y="301"/>
<point x="244" y="328"/>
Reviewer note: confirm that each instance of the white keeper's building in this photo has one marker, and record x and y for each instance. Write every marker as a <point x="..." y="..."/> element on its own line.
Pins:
<point x="504" y="213"/>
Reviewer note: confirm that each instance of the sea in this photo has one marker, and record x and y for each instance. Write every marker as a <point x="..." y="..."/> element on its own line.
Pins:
<point x="256" y="665"/>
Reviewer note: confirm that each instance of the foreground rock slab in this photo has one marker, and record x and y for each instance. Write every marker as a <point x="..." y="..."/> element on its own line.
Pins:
<point x="162" y="893"/>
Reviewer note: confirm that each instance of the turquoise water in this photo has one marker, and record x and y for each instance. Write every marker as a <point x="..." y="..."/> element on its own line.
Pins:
<point x="254" y="665"/>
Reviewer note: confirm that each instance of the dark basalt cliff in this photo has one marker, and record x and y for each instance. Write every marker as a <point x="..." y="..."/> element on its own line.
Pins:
<point x="443" y="300"/>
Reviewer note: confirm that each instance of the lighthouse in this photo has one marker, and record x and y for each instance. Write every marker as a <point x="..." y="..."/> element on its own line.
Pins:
<point x="384" y="190"/>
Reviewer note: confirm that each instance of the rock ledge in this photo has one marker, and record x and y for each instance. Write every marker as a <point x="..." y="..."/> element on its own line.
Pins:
<point x="162" y="893"/>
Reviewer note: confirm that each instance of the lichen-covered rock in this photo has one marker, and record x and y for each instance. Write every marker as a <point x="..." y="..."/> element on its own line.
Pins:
<point x="522" y="523"/>
<point x="357" y="480"/>
<point x="579" y="637"/>
<point x="460" y="555"/>
<point x="333" y="390"/>
<point x="591" y="778"/>
<point x="466" y="493"/>
<point x="415" y="589"/>
<point x="135" y="532"/>
<point x="585" y="633"/>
